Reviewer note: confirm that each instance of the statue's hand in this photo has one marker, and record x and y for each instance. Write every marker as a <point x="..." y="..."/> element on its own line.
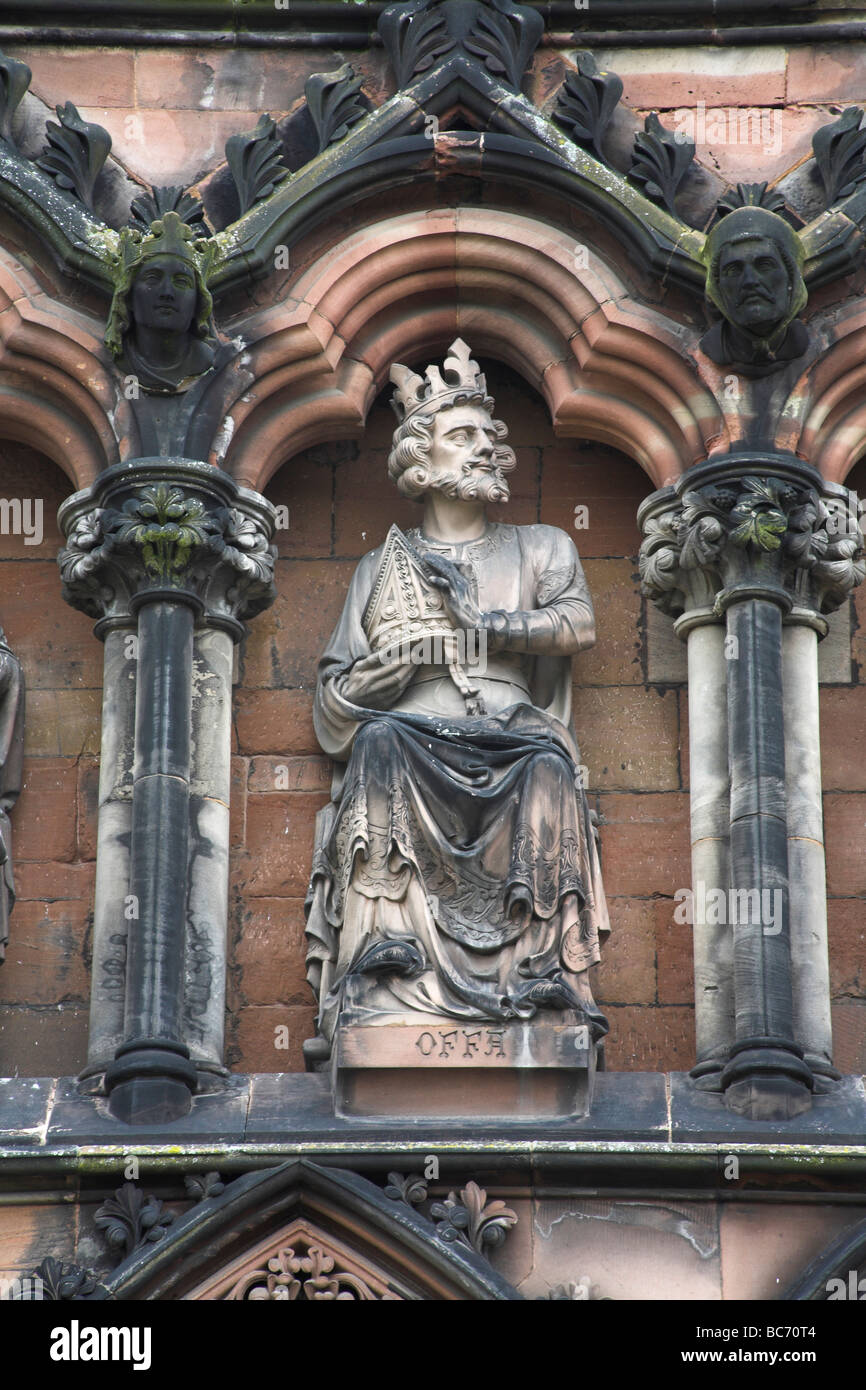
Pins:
<point x="376" y="684"/>
<point x="456" y="591"/>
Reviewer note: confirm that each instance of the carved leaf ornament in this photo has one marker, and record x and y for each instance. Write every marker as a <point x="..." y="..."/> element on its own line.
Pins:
<point x="306" y="1273"/>
<point x="167" y="526"/>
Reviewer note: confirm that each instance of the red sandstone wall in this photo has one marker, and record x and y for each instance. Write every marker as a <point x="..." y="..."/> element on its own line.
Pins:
<point x="45" y="983"/>
<point x="169" y="113"/>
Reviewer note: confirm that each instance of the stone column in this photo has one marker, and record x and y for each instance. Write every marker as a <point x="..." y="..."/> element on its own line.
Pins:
<point x="765" y="532"/>
<point x="173" y="545"/>
<point x="690" y="594"/>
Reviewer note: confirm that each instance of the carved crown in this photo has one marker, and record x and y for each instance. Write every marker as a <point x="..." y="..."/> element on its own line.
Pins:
<point x="168" y="236"/>
<point x="458" y="383"/>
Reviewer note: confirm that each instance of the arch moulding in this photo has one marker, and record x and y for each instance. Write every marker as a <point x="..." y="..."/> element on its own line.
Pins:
<point x="516" y="289"/>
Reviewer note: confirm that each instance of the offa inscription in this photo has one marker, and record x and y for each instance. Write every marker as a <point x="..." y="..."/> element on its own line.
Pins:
<point x="443" y="1043"/>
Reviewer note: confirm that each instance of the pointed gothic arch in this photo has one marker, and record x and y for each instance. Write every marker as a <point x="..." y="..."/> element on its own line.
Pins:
<point x="510" y="284"/>
<point x="309" y="1233"/>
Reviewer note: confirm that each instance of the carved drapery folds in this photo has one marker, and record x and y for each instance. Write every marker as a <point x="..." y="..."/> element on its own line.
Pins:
<point x="765" y="545"/>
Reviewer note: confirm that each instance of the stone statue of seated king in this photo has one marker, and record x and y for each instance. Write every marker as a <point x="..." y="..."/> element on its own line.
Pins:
<point x="456" y="873"/>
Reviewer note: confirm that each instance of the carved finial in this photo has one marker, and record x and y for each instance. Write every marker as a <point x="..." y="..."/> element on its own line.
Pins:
<point x="334" y="103"/>
<point x="501" y="33"/>
<point x="254" y="160"/>
<point x="660" y="162"/>
<point x="586" y="104"/>
<point x="751" y="195"/>
<point x="414" y="35"/>
<point x="458" y="381"/>
<point x="75" y="153"/>
<point x="505" y="35"/>
<point x="840" y="154"/>
<point x="147" y="208"/>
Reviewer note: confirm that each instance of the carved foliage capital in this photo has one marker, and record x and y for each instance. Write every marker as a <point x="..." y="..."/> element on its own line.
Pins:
<point x="751" y="529"/>
<point x="164" y="535"/>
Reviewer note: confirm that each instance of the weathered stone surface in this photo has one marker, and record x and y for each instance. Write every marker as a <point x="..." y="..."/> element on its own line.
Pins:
<point x="608" y="485"/>
<point x="44" y="820"/>
<point x="616" y="657"/>
<point x="667" y="1250"/>
<point x="629" y="737"/>
<point x="65" y="722"/>
<point x="305" y="487"/>
<point x="279" y="843"/>
<point x="627" y="973"/>
<point x="238" y="807"/>
<point x="846" y="928"/>
<point x="849" y="1036"/>
<point x="753" y="143"/>
<point x="675" y="954"/>
<point x="285" y="642"/>
<point x="269" y="953"/>
<point x="645" y="843"/>
<point x="825" y="74"/>
<point x="662" y="78"/>
<point x="786" y="1247"/>
<point x="309" y="774"/>
<point x="214" y="79"/>
<point x="273" y="721"/>
<point x="365" y="496"/>
<point x="650" y="1038"/>
<point x="843" y="728"/>
<point x="47" y="882"/>
<point x="50" y="1040"/>
<point x="46" y="960"/>
<point x="87" y="798"/>
<point x="183" y="145"/>
<point x="53" y="643"/>
<point x="844" y="836"/>
<point x="85" y="76"/>
<point x="30" y="1232"/>
<point x="270" y="1038"/>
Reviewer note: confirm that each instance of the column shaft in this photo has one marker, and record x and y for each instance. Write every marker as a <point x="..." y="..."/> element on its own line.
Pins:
<point x="710" y="835"/>
<point x="806" y="865"/>
<point x="766" y="1077"/>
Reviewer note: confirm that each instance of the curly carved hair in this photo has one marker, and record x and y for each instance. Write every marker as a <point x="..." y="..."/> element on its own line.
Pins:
<point x="409" y="459"/>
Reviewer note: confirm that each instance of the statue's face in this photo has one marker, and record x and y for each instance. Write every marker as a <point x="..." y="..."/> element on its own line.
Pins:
<point x="463" y="455"/>
<point x="164" y="294"/>
<point x="754" y="285"/>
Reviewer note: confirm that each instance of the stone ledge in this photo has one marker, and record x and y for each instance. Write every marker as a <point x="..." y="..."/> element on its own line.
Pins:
<point x="262" y="1117"/>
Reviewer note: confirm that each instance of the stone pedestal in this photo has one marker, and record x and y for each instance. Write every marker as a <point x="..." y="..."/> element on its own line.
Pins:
<point x="480" y="1071"/>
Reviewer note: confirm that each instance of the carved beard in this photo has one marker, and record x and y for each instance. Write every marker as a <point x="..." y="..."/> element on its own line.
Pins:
<point x="474" y="485"/>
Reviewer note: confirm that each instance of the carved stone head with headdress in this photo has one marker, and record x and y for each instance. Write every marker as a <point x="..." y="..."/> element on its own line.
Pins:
<point x="754" y="263"/>
<point x="447" y="438"/>
<point x="160" y="327"/>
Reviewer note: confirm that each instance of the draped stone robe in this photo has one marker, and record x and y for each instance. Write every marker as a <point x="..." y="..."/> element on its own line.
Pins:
<point x="469" y="838"/>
